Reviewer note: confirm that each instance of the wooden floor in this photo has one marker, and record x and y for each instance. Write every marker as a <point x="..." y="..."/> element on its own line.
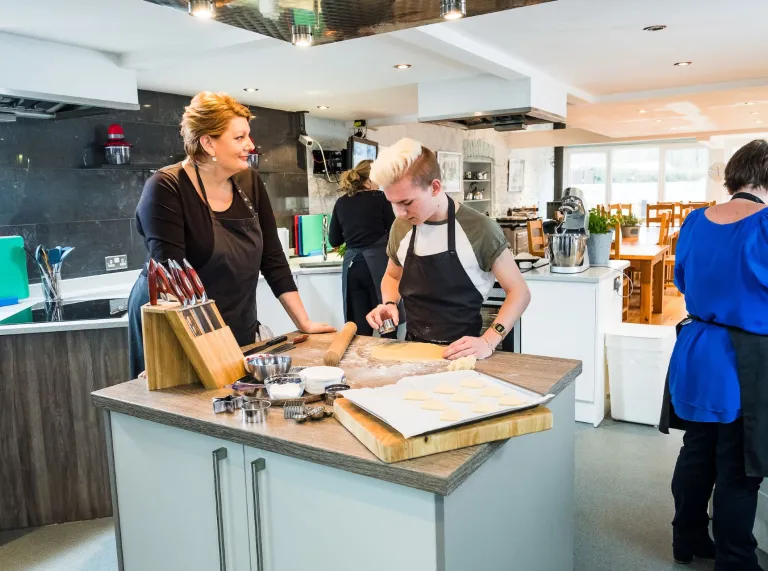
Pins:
<point x="673" y="309"/>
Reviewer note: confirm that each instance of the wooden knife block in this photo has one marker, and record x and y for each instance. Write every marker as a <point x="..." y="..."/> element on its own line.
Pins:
<point x="174" y="356"/>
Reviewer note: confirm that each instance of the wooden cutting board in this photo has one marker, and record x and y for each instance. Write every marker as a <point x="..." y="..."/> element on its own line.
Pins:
<point x="390" y="446"/>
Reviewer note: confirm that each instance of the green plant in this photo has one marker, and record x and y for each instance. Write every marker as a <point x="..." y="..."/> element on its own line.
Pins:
<point x="342" y="249"/>
<point x="628" y="220"/>
<point x="600" y="223"/>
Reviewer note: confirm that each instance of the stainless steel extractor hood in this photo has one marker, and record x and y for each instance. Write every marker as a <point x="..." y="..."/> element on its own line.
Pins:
<point x="29" y="105"/>
<point x="500" y="120"/>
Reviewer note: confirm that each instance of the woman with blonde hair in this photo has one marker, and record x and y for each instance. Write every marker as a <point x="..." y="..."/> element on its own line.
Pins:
<point x="361" y="219"/>
<point x="212" y="210"/>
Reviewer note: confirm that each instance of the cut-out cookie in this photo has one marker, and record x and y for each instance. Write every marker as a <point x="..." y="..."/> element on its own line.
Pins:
<point x="463" y="397"/>
<point x="416" y="395"/>
<point x="451" y="415"/>
<point x="446" y="389"/>
<point x="434" y="405"/>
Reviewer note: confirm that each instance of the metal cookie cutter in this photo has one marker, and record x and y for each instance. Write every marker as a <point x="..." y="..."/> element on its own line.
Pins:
<point x="332" y="392"/>
<point x="387" y="327"/>
<point x="256" y="411"/>
<point x="229" y="403"/>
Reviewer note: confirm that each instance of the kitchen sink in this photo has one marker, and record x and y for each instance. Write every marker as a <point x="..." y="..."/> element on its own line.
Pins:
<point x="326" y="264"/>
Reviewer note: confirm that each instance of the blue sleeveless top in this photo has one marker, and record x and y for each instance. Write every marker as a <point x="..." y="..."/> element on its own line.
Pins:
<point x="723" y="271"/>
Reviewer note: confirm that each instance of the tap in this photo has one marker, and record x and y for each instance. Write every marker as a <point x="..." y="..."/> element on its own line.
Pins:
<point x="325" y="237"/>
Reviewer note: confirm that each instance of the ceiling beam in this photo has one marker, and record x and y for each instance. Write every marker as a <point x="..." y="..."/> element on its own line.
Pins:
<point x="682" y="90"/>
<point x="150" y="59"/>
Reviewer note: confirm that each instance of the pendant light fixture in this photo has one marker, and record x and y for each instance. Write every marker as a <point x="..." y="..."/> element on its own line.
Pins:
<point x="201" y="8"/>
<point x="301" y="35"/>
<point x="453" y="9"/>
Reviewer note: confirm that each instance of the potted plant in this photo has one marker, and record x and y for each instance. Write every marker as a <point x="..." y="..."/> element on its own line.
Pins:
<point x="630" y="225"/>
<point x="601" y="229"/>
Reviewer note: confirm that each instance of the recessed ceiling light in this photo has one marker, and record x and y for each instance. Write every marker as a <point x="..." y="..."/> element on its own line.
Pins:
<point x="657" y="121"/>
<point x="250" y="89"/>
<point x="147" y="105"/>
<point x="453" y="9"/>
<point x="683" y="63"/>
<point x="323" y="107"/>
<point x="749" y="103"/>
<point x="755" y="113"/>
<point x="301" y="36"/>
<point x="656" y="28"/>
<point x="642" y="111"/>
<point x="758" y="122"/>
<point x="403" y="66"/>
<point x="201" y="8"/>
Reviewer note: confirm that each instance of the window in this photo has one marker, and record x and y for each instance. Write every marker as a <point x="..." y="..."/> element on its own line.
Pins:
<point x="635" y="176"/>
<point x="588" y="173"/>
<point x="685" y="175"/>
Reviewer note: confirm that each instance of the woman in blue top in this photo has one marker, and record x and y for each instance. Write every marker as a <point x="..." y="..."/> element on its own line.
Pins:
<point x="722" y="268"/>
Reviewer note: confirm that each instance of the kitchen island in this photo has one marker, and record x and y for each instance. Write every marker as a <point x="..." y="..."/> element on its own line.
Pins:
<point x="323" y="500"/>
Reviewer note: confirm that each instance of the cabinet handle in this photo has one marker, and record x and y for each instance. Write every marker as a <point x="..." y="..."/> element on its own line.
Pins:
<point x="218" y="456"/>
<point x="256" y="467"/>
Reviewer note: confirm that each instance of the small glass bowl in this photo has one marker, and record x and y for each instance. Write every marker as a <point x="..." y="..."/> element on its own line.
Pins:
<point x="281" y="387"/>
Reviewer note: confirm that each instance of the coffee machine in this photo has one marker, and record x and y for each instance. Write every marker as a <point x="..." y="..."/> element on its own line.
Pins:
<point x="567" y="245"/>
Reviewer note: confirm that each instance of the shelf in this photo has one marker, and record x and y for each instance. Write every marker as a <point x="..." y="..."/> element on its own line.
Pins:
<point x="476" y="180"/>
<point x="479" y="200"/>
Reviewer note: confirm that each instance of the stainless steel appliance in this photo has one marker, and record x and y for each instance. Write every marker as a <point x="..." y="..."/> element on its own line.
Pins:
<point x="567" y="247"/>
<point x="490" y="310"/>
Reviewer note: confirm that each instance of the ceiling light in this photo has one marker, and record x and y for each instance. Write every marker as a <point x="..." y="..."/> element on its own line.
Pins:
<point x="754" y="113"/>
<point x="147" y="105"/>
<point x="656" y="28"/>
<point x="657" y="121"/>
<point x="749" y="103"/>
<point x="758" y="122"/>
<point x="453" y="9"/>
<point x="301" y="36"/>
<point x="250" y="89"/>
<point x="201" y="8"/>
<point x="323" y="107"/>
<point x="683" y="63"/>
<point x="642" y="111"/>
<point x="402" y="66"/>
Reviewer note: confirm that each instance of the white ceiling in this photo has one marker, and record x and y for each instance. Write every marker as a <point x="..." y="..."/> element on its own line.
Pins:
<point x="595" y="47"/>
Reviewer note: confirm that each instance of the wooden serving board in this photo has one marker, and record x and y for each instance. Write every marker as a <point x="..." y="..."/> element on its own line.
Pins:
<point x="390" y="446"/>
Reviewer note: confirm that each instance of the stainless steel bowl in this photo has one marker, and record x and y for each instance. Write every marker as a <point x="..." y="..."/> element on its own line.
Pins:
<point x="263" y="366"/>
<point x="567" y="250"/>
<point x="118" y="155"/>
<point x="281" y="387"/>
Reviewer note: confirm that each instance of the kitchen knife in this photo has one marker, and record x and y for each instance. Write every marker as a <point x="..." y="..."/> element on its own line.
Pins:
<point x="175" y="273"/>
<point x="191" y="323"/>
<point x="195" y="280"/>
<point x="270" y="343"/>
<point x="212" y="317"/>
<point x="201" y="317"/>
<point x="186" y="285"/>
<point x="152" y="281"/>
<point x="291" y="344"/>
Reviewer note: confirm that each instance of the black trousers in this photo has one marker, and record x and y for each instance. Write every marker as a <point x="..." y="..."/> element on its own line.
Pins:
<point x="361" y="295"/>
<point x="713" y="456"/>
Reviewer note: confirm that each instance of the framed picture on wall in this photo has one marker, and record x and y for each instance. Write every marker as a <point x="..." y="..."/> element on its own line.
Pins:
<point x="516" y="175"/>
<point x="450" y="170"/>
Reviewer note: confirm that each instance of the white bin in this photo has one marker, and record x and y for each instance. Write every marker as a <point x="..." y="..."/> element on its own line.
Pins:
<point x="638" y="357"/>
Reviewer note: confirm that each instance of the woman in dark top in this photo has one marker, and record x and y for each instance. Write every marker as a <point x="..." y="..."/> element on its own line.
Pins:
<point x="717" y="374"/>
<point x="214" y="211"/>
<point x="361" y="219"/>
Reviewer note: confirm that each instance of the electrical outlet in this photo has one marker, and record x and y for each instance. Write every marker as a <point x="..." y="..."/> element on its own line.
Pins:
<point x="114" y="263"/>
<point x="617" y="285"/>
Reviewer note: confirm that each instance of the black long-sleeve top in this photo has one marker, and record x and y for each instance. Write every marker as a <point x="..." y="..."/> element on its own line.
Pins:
<point x="175" y="222"/>
<point x="360" y="220"/>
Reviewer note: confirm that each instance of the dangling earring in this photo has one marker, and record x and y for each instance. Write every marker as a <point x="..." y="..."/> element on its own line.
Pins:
<point x="213" y="159"/>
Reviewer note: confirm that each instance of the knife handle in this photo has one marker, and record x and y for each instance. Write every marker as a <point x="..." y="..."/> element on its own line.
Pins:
<point x="167" y="279"/>
<point x="184" y="282"/>
<point x="184" y="299"/>
<point x="152" y="281"/>
<point x="197" y="284"/>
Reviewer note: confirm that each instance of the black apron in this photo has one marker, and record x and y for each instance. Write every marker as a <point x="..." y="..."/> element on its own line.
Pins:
<point x="752" y="369"/>
<point x="376" y="259"/>
<point x="441" y="303"/>
<point x="230" y="277"/>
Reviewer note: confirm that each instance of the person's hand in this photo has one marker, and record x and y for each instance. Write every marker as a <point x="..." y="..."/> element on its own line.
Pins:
<point x="466" y="346"/>
<point x="316" y="327"/>
<point x="381" y="313"/>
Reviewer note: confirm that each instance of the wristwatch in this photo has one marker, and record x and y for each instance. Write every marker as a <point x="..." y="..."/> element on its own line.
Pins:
<point x="500" y="329"/>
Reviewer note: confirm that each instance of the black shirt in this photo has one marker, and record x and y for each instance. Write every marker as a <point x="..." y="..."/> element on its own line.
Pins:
<point x="175" y="222"/>
<point x="360" y="220"/>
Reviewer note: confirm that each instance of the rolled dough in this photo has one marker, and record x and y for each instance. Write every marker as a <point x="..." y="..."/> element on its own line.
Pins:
<point x="416" y="395"/>
<point x="451" y="415"/>
<point x="434" y="405"/>
<point x="510" y="400"/>
<point x="446" y="390"/>
<point x="463" y="364"/>
<point x="408" y="352"/>
<point x="463" y="397"/>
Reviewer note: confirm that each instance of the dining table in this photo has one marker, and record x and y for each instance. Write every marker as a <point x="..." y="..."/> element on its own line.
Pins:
<point x="644" y="253"/>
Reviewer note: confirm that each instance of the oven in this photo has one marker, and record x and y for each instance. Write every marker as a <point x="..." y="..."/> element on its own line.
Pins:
<point x="490" y="310"/>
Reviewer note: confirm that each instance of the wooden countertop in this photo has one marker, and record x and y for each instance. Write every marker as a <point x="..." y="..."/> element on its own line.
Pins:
<point x="328" y="442"/>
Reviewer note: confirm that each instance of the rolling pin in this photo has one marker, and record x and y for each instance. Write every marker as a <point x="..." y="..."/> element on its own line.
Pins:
<point x="339" y="344"/>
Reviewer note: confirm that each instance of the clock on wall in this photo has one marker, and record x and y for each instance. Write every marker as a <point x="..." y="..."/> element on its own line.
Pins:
<point x="716" y="172"/>
<point x="552" y="161"/>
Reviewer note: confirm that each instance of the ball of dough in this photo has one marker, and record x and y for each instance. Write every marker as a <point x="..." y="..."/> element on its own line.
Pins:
<point x="484" y="408"/>
<point x="451" y="415"/>
<point x="463" y="363"/>
<point x="511" y="400"/>
<point x="492" y="392"/>
<point x="472" y="383"/>
<point x="434" y="405"/>
<point x="446" y="389"/>
<point x="416" y="395"/>
<point x="463" y="397"/>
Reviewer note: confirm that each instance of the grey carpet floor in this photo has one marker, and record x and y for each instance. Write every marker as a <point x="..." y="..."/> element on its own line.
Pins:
<point x="623" y="512"/>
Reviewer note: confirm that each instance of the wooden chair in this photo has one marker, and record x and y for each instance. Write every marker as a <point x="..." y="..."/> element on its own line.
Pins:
<point x="619" y="208"/>
<point x="616" y="246"/>
<point x="688" y="207"/>
<point x="653" y="212"/>
<point x="537" y="242"/>
<point x="664" y="229"/>
<point x="616" y="255"/>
